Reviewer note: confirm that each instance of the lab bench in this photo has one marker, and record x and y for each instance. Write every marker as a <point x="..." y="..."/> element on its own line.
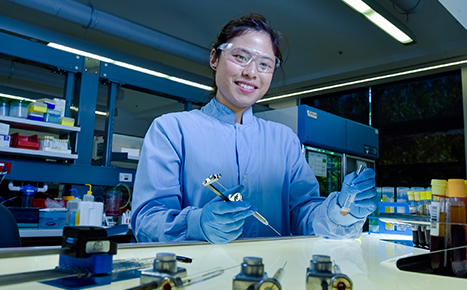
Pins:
<point x="33" y="237"/>
<point x="368" y="261"/>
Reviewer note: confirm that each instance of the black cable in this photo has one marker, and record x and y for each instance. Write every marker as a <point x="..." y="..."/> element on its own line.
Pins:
<point x="3" y="176"/>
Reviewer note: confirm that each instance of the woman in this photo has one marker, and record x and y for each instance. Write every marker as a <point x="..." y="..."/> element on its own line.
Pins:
<point x="260" y="158"/>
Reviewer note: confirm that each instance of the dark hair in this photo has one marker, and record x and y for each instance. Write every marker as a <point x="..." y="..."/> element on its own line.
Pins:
<point x="237" y="27"/>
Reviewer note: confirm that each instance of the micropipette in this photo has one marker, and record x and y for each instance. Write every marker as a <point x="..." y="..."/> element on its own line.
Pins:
<point x="190" y="280"/>
<point x="236" y="197"/>
<point x="351" y="197"/>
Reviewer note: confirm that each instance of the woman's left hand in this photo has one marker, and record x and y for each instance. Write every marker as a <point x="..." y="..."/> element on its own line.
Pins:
<point x="364" y="188"/>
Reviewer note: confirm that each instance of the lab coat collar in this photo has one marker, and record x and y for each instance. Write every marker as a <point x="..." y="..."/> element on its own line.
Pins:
<point x="222" y="113"/>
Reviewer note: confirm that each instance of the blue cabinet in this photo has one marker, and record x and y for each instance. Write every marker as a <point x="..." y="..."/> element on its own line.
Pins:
<point x="321" y="129"/>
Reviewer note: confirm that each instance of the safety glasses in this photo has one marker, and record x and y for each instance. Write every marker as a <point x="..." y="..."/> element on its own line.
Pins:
<point x="243" y="56"/>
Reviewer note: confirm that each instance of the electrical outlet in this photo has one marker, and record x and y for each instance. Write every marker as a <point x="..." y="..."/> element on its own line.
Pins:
<point x="126" y="177"/>
<point x="5" y="168"/>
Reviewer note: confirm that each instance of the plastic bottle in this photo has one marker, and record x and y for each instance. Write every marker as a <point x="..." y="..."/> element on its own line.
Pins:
<point x="112" y="202"/>
<point x="413" y="210"/>
<point x="73" y="216"/>
<point x="412" y="203"/>
<point x="19" y="108"/>
<point x="427" y="207"/>
<point x="90" y="210"/>
<point x="420" y="229"/>
<point x="427" y="202"/>
<point x="88" y="196"/>
<point x="455" y="227"/>
<point x="4" y="107"/>
<point x="28" y="195"/>
<point x="437" y="218"/>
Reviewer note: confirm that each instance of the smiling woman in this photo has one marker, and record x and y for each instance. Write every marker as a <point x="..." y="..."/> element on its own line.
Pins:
<point x="262" y="160"/>
<point x="241" y="79"/>
<point x="244" y="58"/>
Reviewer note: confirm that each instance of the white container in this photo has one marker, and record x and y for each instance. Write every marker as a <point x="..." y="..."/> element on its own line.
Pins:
<point x="19" y="108"/>
<point x="60" y="105"/>
<point x="91" y="213"/>
<point x="4" y="107"/>
<point x="130" y="151"/>
<point x="4" y="141"/>
<point x="388" y="194"/>
<point x="4" y="129"/>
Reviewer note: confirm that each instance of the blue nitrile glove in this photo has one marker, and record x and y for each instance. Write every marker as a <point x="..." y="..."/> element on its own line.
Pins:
<point x="363" y="186"/>
<point x="223" y="221"/>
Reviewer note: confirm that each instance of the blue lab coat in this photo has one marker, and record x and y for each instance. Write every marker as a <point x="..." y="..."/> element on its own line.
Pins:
<point x="182" y="149"/>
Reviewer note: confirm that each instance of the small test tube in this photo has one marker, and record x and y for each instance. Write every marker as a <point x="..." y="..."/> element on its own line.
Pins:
<point x="351" y="197"/>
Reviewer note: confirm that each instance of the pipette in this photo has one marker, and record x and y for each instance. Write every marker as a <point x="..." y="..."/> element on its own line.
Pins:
<point x="235" y="197"/>
<point x="274" y="282"/>
<point x="351" y="197"/>
<point x="203" y="276"/>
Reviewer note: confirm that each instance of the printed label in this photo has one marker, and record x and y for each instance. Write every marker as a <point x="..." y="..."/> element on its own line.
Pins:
<point x="97" y="247"/>
<point x="312" y="114"/>
<point x="434" y="217"/>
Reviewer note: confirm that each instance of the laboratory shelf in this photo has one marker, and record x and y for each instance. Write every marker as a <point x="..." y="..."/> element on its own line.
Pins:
<point x="26" y="124"/>
<point x="405" y="219"/>
<point x="36" y="232"/>
<point x="37" y="153"/>
<point x="123" y="156"/>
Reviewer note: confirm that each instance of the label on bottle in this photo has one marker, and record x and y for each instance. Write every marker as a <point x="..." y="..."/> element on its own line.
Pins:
<point x="434" y="217"/>
<point x="412" y="207"/>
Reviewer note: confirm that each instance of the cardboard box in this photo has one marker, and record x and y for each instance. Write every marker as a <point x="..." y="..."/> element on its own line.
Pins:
<point x="52" y="218"/>
<point x="4" y="129"/>
<point x="131" y="151"/>
<point x="4" y="141"/>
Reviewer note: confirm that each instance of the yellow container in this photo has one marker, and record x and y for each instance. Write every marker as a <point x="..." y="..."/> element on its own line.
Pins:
<point x="49" y="102"/>
<point x="456" y="187"/>
<point x="67" y="121"/>
<point x="416" y="195"/>
<point x="438" y="187"/>
<point x="68" y="197"/>
<point x="428" y="194"/>
<point x="37" y="107"/>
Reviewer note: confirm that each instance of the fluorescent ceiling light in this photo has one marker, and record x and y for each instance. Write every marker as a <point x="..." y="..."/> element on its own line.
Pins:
<point x="456" y="63"/>
<point x="80" y="52"/>
<point x="16" y="97"/>
<point x="380" y="20"/>
<point x="101" y="113"/>
<point x="130" y="66"/>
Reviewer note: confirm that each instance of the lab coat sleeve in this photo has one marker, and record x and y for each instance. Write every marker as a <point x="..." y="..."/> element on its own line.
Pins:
<point x="157" y="200"/>
<point x="312" y="214"/>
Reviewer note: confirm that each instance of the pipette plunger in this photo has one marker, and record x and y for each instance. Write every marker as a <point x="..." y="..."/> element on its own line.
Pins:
<point x="237" y="196"/>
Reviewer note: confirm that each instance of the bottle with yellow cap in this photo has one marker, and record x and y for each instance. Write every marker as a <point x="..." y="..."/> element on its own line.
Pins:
<point x="455" y="227"/>
<point x="88" y="196"/>
<point x="418" y="202"/>
<point x="412" y="202"/>
<point x="91" y="211"/>
<point x="426" y="206"/>
<point x="413" y="210"/>
<point x="427" y="202"/>
<point x="418" y="195"/>
<point x="437" y="218"/>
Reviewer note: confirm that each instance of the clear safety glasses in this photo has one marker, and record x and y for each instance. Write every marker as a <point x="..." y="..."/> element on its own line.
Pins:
<point x="243" y="56"/>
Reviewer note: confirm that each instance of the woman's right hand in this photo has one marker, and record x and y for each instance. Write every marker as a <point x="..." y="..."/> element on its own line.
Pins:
<point x="223" y="221"/>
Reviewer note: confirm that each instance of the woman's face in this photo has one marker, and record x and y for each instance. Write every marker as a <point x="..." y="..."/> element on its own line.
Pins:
<point x="240" y="87"/>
